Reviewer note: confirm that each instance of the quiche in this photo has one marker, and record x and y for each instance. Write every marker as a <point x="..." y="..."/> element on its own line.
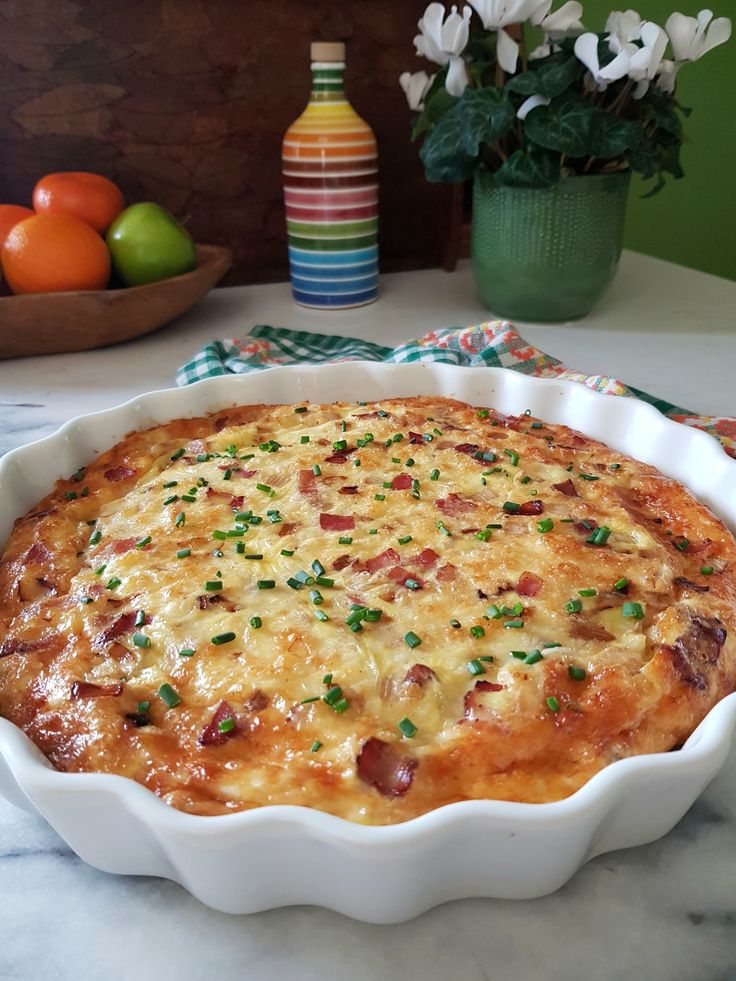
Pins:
<point x="368" y="609"/>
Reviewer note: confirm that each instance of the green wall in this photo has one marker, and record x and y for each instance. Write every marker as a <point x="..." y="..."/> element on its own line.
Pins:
<point x="691" y="221"/>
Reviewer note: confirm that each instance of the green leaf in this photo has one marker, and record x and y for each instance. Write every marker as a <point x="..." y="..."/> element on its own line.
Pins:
<point x="549" y="77"/>
<point x="452" y="149"/>
<point x="534" y="167"/>
<point x="579" y="130"/>
<point x="437" y="101"/>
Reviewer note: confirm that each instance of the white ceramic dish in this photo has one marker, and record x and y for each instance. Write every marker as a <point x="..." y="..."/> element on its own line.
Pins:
<point x="278" y="856"/>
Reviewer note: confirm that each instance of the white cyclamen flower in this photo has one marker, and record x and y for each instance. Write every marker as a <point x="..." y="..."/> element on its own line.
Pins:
<point x="586" y="50"/>
<point x="647" y="61"/>
<point x="498" y="14"/>
<point x="564" y="22"/>
<point x="533" y="102"/>
<point x="442" y="39"/>
<point x="692" y="37"/>
<point x="415" y="86"/>
<point x="623" y="26"/>
<point x="667" y="77"/>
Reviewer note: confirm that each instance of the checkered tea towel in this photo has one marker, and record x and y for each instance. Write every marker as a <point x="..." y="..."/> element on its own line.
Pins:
<point x="495" y="344"/>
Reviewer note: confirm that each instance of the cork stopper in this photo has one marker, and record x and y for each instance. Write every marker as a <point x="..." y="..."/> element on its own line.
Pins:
<point x="327" y="51"/>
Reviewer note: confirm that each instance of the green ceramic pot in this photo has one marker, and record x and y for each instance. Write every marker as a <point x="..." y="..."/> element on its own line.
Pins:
<point x="547" y="254"/>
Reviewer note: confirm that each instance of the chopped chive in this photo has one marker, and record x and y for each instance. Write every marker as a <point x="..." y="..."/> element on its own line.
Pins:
<point x="587" y="592"/>
<point x="308" y="701"/>
<point x="511" y="507"/>
<point x="189" y="498"/>
<point x="87" y="600"/>
<point x="316" y="597"/>
<point x="494" y="612"/>
<point x="218" y="553"/>
<point x="486" y="657"/>
<point x="186" y="652"/>
<point x="294" y="582"/>
<point x="682" y="545"/>
<point x="513" y="456"/>
<point x="225" y="638"/>
<point x="143" y="707"/>
<point x="140" y="640"/>
<point x="615" y="466"/>
<point x="356" y="462"/>
<point x="533" y="657"/>
<point x="95" y="537"/>
<point x="304" y="439"/>
<point x="475" y="667"/>
<point x="227" y="725"/>
<point x="240" y="548"/>
<point x="316" y="745"/>
<point x="325" y="581"/>
<point x="266" y="584"/>
<point x="264" y="487"/>
<point x="167" y="694"/>
<point x="170" y="500"/>
<point x="300" y="408"/>
<point x="477" y="632"/>
<point x="443" y="529"/>
<point x="588" y="476"/>
<point x="455" y="623"/>
<point x="345" y="540"/>
<point x="341" y="705"/>
<point x="573" y="606"/>
<point x="405" y="540"/>
<point x="599" y="536"/>
<point x="551" y="645"/>
<point x="317" y="568"/>
<point x="256" y="556"/>
<point x="183" y="553"/>
<point x="212" y="585"/>
<point x="256" y="622"/>
<point x="334" y="694"/>
<point x="71" y="495"/>
<point x="545" y="525"/>
<point x="552" y="704"/>
<point x="412" y="640"/>
<point x="519" y="655"/>
<point x="379" y="497"/>
<point x="537" y="425"/>
<point x="243" y="515"/>
<point x="321" y="615"/>
<point x="488" y="457"/>
<point x="526" y="479"/>
<point x="577" y="674"/>
<point x="181" y="520"/>
<point x="100" y="570"/>
<point x="373" y="531"/>
<point x="484" y="534"/>
<point x="287" y="552"/>
<point x="340" y="444"/>
<point x="706" y="570"/>
<point x="483" y="413"/>
<point x="227" y="474"/>
<point x="178" y="454"/>
<point x="621" y="583"/>
<point x="219" y="536"/>
<point x="434" y="475"/>
<point x="409" y="462"/>
<point x="140" y="618"/>
<point x="327" y="680"/>
<point x="203" y="457"/>
<point x="113" y="583"/>
<point x="316" y="469"/>
<point x="84" y="492"/>
<point x="371" y="616"/>
<point x="514" y="624"/>
<point x="634" y="611"/>
<point x="408" y="729"/>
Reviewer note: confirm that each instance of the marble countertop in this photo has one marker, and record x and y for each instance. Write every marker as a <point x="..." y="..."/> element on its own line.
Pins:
<point x="664" y="911"/>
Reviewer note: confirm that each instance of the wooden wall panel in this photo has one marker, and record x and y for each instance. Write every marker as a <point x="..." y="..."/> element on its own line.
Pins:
<point x="185" y="102"/>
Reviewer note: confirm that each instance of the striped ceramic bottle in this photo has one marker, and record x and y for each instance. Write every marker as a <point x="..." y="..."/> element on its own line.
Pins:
<point x="331" y="192"/>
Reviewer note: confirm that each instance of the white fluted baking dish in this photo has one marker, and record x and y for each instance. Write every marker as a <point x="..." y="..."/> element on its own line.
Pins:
<point x="276" y="856"/>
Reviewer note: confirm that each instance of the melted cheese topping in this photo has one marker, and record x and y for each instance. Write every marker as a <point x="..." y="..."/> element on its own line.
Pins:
<point x="465" y="636"/>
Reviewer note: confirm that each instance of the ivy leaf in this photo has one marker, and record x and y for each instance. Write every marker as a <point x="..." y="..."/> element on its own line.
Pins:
<point x="437" y="101"/>
<point x="568" y="127"/>
<point x="553" y="77"/>
<point x="452" y="149"/>
<point x="533" y="167"/>
<point x="612" y="136"/>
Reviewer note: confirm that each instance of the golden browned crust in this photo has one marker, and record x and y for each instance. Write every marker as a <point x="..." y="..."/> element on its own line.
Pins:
<point x="435" y="552"/>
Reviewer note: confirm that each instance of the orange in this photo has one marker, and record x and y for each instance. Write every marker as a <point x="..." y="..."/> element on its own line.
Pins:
<point x="10" y="215"/>
<point x="89" y="197"/>
<point x="47" y="253"/>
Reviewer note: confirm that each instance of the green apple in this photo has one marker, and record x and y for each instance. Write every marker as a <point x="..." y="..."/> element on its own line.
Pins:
<point x="147" y="244"/>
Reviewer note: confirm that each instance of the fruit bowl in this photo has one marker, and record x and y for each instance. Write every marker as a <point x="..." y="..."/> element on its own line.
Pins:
<point x="53" y="323"/>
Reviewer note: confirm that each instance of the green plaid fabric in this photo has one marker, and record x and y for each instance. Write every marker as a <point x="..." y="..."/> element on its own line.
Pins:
<point x="495" y="344"/>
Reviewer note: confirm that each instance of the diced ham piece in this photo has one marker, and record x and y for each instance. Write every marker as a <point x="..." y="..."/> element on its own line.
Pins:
<point x="401" y="481"/>
<point x="120" y="546"/>
<point x="689" y="584"/>
<point x="120" y="473"/>
<point x="213" y="735"/>
<point x="120" y="625"/>
<point x="427" y="557"/>
<point x="531" y="507"/>
<point x="352" y="489"/>
<point x="366" y="415"/>
<point x="340" y="456"/>
<point x="236" y="502"/>
<point x="419" y="674"/>
<point x="383" y="767"/>
<point x="341" y="561"/>
<point x="469" y="448"/>
<point x="567" y="488"/>
<point x="416" y="437"/>
<point x="529" y="584"/>
<point x="454" y="504"/>
<point x="446" y="573"/>
<point x="288" y="528"/>
<point x="37" y="553"/>
<point x="336" y="522"/>
<point x="306" y="482"/>
<point x="85" y="689"/>
<point x="695" y="547"/>
<point x="383" y="560"/>
<point x="399" y="575"/>
<point x="14" y="645"/>
<point x="470" y="703"/>
<point x="585" y="528"/>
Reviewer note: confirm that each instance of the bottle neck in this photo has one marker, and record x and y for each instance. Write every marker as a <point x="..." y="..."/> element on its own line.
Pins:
<point x="327" y="81"/>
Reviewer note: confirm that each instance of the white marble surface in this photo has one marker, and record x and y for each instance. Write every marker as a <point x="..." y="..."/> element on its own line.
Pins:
<point x="665" y="912"/>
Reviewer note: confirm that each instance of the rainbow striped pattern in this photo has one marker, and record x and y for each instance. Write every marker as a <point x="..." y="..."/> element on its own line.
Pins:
<point x="330" y="168"/>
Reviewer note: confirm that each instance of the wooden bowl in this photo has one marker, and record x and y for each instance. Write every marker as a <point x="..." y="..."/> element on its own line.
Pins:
<point x="52" y="323"/>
